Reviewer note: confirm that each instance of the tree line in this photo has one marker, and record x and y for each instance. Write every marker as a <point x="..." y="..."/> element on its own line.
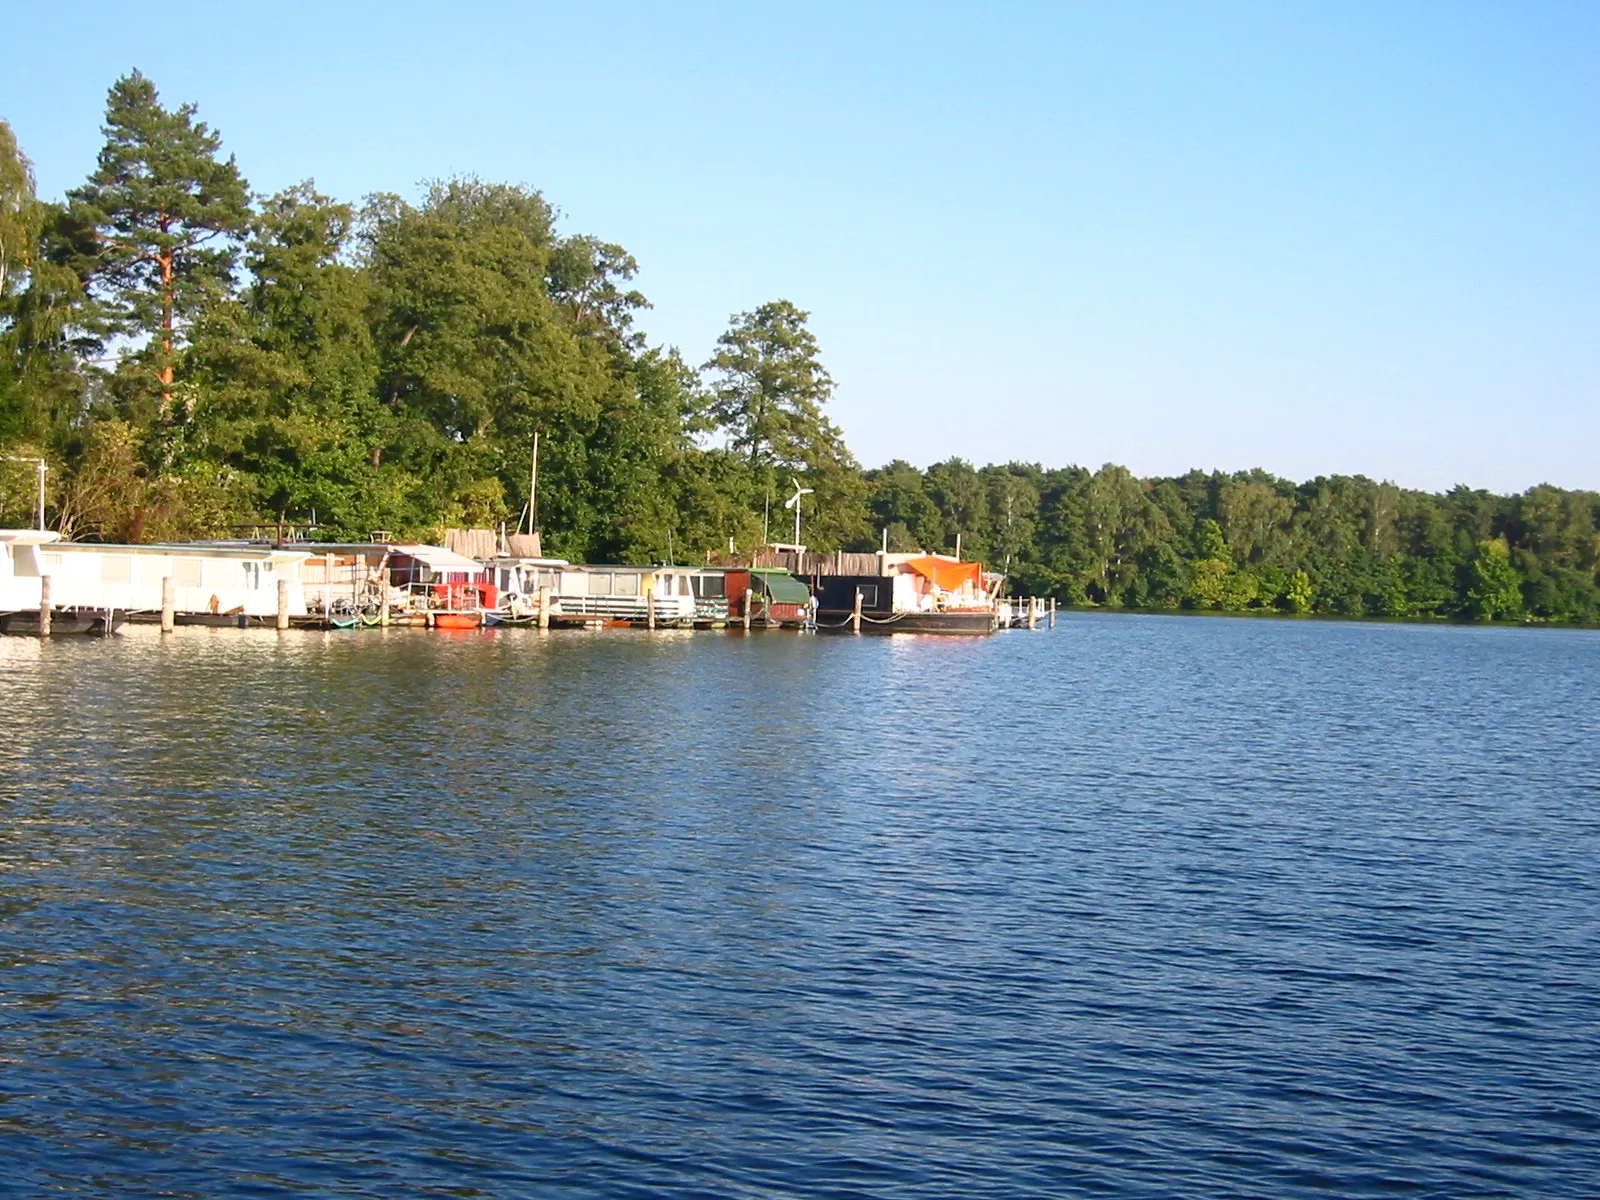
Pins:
<point x="195" y="360"/>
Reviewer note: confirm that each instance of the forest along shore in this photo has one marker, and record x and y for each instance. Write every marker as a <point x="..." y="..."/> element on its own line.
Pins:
<point x="183" y="360"/>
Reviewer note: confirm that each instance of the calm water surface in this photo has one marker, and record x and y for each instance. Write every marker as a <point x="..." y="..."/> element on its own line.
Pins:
<point x="1144" y="907"/>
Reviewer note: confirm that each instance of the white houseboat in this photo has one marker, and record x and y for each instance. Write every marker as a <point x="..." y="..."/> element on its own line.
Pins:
<point x="210" y="583"/>
<point x="594" y="593"/>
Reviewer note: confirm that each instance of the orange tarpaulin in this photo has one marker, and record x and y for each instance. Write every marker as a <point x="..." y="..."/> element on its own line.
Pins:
<point x="946" y="574"/>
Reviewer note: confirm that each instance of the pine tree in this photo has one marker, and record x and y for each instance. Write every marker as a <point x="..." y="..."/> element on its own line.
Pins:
<point x="166" y="215"/>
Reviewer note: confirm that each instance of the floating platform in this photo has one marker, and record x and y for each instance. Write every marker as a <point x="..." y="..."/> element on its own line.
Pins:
<point x="64" y="622"/>
<point x="968" y="623"/>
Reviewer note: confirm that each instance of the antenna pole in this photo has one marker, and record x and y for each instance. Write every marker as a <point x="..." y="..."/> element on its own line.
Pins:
<point x="533" y="488"/>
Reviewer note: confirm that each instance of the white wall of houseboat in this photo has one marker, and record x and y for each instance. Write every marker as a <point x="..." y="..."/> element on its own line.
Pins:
<point x="621" y="592"/>
<point x="129" y="578"/>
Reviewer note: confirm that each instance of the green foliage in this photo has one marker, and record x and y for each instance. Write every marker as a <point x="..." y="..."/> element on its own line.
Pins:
<point x="1494" y="588"/>
<point x="20" y="214"/>
<point x="767" y="392"/>
<point x="1298" y="595"/>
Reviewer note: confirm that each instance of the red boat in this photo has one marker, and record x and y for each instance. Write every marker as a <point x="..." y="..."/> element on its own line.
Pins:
<point x="457" y="620"/>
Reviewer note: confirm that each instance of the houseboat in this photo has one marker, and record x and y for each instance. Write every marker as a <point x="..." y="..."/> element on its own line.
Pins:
<point x="594" y="594"/>
<point x="347" y="584"/>
<point x="210" y="583"/>
<point x="920" y="593"/>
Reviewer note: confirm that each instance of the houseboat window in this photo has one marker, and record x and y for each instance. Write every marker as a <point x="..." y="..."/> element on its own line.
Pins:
<point x="627" y="584"/>
<point x="712" y="587"/>
<point x="683" y="585"/>
<point x="505" y="579"/>
<point x="252" y="575"/>
<point x="869" y="595"/>
<point x="574" y="583"/>
<point x="600" y="583"/>
<point x="186" y="572"/>
<point x="25" y="563"/>
<point x="116" y="568"/>
<point x="547" y="579"/>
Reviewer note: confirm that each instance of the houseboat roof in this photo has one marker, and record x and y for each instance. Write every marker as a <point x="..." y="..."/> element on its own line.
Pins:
<point x="436" y="557"/>
<point x="783" y="587"/>
<point x="35" y="537"/>
<point x="947" y="573"/>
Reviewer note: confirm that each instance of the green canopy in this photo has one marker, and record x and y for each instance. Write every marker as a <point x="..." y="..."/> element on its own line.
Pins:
<point x="781" y="586"/>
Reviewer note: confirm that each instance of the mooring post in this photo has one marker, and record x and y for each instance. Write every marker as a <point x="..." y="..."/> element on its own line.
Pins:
<point x="283" y="603"/>
<point x="650" y="607"/>
<point x="383" y="600"/>
<point x="745" y="605"/>
<point x="167" y="616"/>
<point x="855" y="614"/>
<point x="1033" y="612"/>
<point x="1052" y="612"/>
<point x="544" y="607"/>
<point x="44" y="606"/>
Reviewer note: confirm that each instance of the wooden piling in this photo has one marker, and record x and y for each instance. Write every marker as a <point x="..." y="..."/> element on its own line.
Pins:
<point x="1052" y="612"/>
<point x="383" y="602"/>
<point x="168" y="616"/>
<point x="544" y="608"/>
<point x="748" y="601"/>
<point x="44" y="606"/>
<point x="650" y="607"/>
<point x="855" y="614"/>
<point x="283" y="604"/>
<point x="1033" y="612"/>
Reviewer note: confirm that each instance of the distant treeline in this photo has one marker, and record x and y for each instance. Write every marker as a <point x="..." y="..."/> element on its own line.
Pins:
<point x="1252" y="541"/>
<point x="191" y="360"/>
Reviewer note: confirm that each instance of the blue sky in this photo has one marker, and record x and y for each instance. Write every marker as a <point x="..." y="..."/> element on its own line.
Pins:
<point x="1314" y="238"/>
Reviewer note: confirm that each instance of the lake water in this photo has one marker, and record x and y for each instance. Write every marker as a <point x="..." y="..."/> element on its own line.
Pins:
<point x="1145" y="907"/>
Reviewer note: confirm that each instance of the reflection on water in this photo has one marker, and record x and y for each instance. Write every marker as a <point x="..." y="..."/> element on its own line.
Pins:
<point x="1146" y="907"/>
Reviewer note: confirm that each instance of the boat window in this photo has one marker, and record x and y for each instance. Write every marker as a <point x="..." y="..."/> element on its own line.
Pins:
<point x="713" y="587"/>
<point x="626" y="584"/>
<point x="116" y="568"/>
<point x="186" y="572"/>
<point x="600" y="583"/>
<point x="683" y="585"/>
<point x="252" y="575"/>
<point x="574" y="583"/>
<point x="869" y="595"/>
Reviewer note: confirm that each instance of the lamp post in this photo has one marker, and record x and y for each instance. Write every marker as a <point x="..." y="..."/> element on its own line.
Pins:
<point x="40" y="463"/>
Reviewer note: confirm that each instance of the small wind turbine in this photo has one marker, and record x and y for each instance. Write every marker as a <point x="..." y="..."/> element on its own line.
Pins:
<point x="794" y="503"/>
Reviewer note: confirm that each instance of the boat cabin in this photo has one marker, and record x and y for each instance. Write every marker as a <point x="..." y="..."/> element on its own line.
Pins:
<point x="619" y="593"/>
<point x="772" y="594"/>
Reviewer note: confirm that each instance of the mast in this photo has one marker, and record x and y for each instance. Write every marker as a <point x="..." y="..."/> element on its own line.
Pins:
<point x="533" y="488"/>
